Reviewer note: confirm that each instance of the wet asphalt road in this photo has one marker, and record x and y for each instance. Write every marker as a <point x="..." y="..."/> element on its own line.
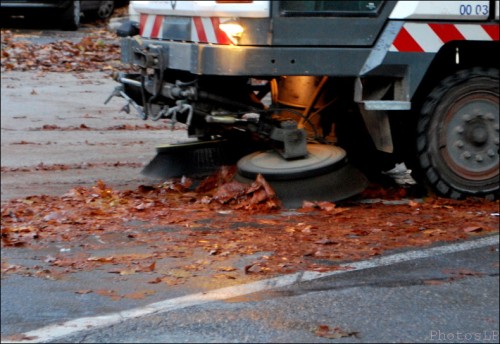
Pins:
<point x="31" y="101"/>
<point x="452" y="297"/>
<point x="384" y="305"/>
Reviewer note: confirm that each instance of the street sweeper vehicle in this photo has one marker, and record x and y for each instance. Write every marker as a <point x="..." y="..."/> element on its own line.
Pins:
<point x="318" y="95"/>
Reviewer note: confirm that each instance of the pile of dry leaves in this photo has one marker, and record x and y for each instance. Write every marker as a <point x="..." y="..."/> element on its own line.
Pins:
<point x="99" y="51"/>
<point x="223" y="220"/>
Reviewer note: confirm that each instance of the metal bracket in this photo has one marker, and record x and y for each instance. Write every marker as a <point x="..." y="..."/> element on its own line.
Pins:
<point x="294" y="140"/>
<point x="371" y="100"/>
<point x="120" y="92"/>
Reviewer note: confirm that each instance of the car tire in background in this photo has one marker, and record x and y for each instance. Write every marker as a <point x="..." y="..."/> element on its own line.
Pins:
<point x="106" y="9"/>
<point x="70" y="16"/>
<point x="103" y="11"/>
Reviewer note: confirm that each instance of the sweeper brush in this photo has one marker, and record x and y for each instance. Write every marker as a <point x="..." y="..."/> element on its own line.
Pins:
<point x="196" y="159"/>
<point x="323" y="175"/>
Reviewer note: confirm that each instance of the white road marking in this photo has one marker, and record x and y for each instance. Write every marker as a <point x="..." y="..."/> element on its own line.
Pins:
<point x="57" y="331"/>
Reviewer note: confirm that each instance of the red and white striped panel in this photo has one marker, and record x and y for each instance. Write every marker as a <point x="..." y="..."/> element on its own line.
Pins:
<point x="203" y="29"/>
<point x="150" y="26"/>
<point x="429" y="38"/>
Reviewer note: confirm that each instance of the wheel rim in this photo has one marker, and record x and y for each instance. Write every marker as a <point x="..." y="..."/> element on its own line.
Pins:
<point x="470" y="138"/>
<point x="105" y="10"/>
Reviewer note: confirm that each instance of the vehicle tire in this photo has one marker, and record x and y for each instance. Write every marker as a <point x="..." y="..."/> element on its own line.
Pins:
<point x="104" y="11"/>
<point x="457" y="135"/>
<point x="70" y="17"/>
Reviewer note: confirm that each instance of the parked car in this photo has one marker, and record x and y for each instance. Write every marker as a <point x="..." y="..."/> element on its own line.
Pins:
<point x="67" y="13"/>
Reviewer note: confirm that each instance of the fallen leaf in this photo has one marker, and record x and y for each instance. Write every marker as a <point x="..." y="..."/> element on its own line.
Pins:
<point x="434" y="282"/>
<point x="413" y="204"/>
<point x="139" y="294"/>
<point x="18" y="338"/>
<point x="333" y="333"/>
<point x="223" y="276"/>
<point x="226" y="268"/>
<point x="155" y="281"/>
<point x="463" y="272"/>
<point x="148" y="268"/>
<point x="179" y="273"/>
<point x="326" y="241"/>
<point x="472" y="229"/>
<point x="101" y="259"/>
<point x="84" y="291"/>
<point x="109" y="293"/>
<point x="251" y="268"/>
<point x="123" y="272"/>
<point x="327" y="206"/>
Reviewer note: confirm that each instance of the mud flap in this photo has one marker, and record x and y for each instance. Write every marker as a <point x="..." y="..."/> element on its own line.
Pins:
<point x="377" y="124"/>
